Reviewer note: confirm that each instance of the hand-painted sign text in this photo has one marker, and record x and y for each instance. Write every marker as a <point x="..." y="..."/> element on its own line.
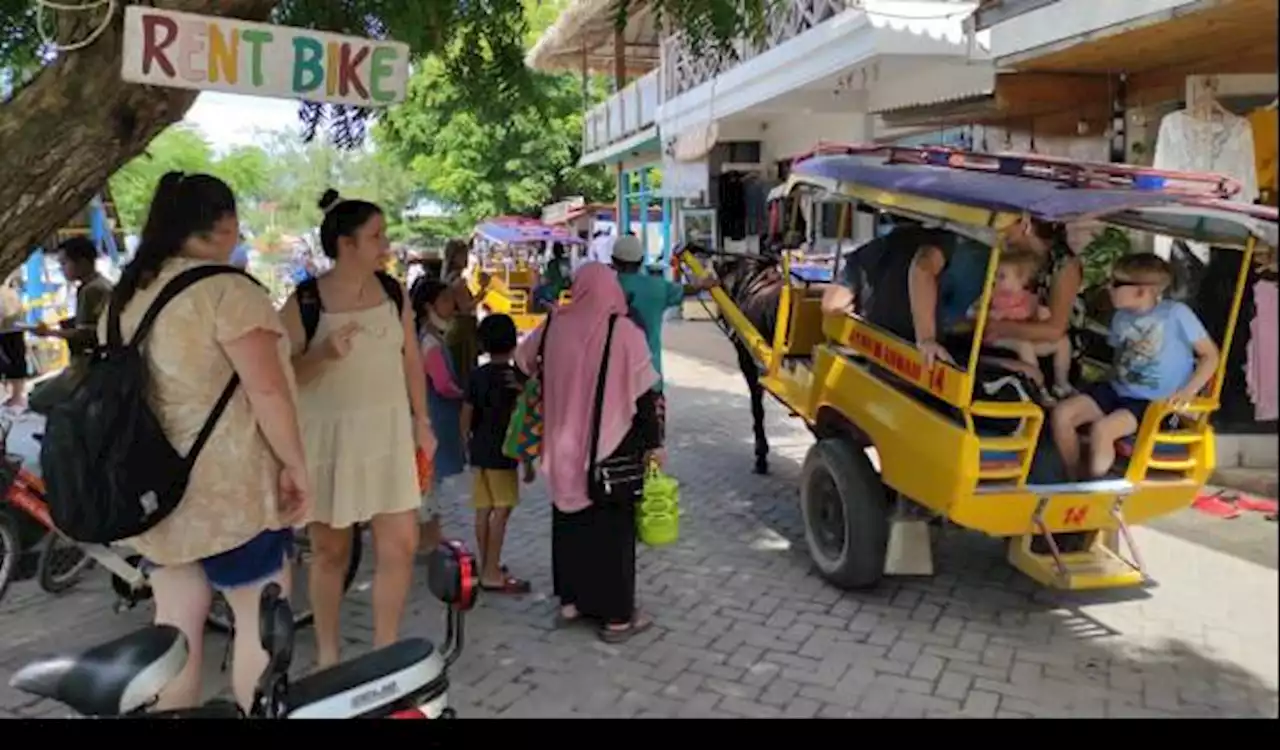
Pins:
<point x="183" y="50"/>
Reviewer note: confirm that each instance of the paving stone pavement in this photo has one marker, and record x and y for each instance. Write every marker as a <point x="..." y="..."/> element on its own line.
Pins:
<point x="746" y="629"/>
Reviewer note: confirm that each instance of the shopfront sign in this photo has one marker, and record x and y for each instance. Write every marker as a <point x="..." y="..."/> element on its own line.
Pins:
<point x="208" y="53"/>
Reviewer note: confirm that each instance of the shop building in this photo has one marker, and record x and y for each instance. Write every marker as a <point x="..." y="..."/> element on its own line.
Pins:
<point x="702" y="136"/>
<point x="1166" y="83"/>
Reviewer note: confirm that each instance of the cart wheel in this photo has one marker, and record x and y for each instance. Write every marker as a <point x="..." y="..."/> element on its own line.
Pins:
<point x="62" y="564"/>
<point x="9" y="552"/>
<point x="220" y="619"/>
<point x="846" y="514"/>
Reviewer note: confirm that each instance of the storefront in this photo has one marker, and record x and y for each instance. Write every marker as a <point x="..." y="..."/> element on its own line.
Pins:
<point x="638" y="197"/>
<point x="1188" y="88"/>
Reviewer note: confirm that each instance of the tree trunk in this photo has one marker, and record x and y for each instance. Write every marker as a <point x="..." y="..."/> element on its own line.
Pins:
<point x="72" y="126"/>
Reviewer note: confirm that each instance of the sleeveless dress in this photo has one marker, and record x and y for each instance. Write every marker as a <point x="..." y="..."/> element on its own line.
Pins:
<point x="356" y="423"/>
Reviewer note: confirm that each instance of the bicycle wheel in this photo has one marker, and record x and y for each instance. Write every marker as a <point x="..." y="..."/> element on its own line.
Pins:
<point x="9" y="552"/>
<point x="220" y="619"/>
<point x="62" y="564"/>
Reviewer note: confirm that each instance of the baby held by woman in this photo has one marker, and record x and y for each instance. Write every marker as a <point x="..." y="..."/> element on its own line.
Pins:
<point x="1013" y="299"/>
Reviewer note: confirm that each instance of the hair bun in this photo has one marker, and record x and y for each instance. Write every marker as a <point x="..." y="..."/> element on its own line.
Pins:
<point x="329" y="200"/>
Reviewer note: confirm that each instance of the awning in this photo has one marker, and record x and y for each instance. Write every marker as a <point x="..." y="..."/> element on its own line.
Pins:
<point x="585" y="32"/>
<point x="514" y="230"/>
<point x="1048" y="103"/>
<point x="1158" y="51"/>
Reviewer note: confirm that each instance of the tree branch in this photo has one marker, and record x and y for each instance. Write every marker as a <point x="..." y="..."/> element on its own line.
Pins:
<point x="75" y="123"/>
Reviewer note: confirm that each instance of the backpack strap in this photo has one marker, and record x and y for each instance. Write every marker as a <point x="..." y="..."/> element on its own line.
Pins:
<point x="310" y="307"/>
<point x="176" y="286"/>
<point x="393" y="289"/>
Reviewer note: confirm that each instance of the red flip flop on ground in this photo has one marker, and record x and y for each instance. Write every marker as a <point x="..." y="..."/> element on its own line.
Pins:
<point x="1213" y="505"/>
<point x="1256" y="504"/>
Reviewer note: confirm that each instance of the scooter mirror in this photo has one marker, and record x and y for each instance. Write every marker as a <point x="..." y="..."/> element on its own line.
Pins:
<point x="451" y="575"/>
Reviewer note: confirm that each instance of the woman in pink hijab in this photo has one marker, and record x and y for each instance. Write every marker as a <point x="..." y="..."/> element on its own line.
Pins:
<point x="593" y="536"/>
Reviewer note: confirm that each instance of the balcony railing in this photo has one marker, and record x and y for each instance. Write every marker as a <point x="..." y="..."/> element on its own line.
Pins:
<point x="622" y="115"/>
<point x="684" y="70"/>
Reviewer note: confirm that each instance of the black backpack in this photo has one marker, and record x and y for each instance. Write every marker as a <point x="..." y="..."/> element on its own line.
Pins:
<point x="310" y="305"/>
<point x="110" y="471"/>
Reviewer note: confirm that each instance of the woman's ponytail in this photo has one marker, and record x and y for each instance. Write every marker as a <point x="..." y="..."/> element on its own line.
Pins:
<point x="183" y="205"/>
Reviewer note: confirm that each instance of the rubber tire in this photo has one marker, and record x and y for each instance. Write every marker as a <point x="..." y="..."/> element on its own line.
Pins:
<point x="860" y="564"/>
<point x="45" y="576"/>
<point x="10" y="553"/>
<point x="215" y="622"/>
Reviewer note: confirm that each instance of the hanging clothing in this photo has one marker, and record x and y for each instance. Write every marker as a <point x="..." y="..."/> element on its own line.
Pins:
<point x="1265" y="124"/>
<point x="1264" y="351"/>
<point x="1222" y="144"/>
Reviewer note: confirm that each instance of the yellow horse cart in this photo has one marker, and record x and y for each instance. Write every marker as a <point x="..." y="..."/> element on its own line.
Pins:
<point x="865" y="393"/>
<point x="506" y="275"/>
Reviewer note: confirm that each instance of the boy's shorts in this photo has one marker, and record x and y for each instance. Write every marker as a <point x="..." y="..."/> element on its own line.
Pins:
<point x="495" y="488"/>
<point x="1109" y="401"/>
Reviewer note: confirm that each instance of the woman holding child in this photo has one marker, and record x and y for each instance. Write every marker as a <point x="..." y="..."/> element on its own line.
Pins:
<point x="1055" y="282"/>
<point x="597" y="380"/>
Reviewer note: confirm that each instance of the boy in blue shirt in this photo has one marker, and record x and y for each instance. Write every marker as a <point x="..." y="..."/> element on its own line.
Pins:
<point x="1162" y="352"/>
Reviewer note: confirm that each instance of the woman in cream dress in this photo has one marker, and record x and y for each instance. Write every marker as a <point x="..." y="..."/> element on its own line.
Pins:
<point x="363" y="410"/>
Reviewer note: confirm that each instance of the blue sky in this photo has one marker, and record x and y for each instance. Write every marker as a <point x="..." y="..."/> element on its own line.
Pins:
<point x="230" y="120"/>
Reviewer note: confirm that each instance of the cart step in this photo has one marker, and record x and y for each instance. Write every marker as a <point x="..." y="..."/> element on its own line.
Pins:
<point x="1096" y="568"/>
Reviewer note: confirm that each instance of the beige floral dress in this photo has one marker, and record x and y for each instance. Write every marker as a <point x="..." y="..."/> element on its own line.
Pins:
<point x="232" y="494"/>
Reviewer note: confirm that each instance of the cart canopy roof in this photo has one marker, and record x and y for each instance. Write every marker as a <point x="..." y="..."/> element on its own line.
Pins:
<point x="511" y="230"/>
<point x="1188" y="206"/>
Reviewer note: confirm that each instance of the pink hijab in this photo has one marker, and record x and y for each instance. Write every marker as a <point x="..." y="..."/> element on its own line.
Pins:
<point x="571" y="366"/>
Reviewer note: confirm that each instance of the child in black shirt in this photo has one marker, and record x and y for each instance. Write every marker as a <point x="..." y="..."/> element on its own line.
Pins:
<point x="490" y="400"/>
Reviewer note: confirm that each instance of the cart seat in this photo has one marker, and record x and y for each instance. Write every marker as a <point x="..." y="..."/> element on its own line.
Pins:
<point x="1163" y="451"/>
<point x="413" y="662"/>
<point x="114" y="679"/>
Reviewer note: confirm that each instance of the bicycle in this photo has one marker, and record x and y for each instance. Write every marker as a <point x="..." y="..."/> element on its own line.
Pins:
<point x="24" y="491"/>
<point x="406" y="680"/>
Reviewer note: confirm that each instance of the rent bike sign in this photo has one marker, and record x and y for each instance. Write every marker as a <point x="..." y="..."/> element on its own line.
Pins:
<point x="184" y="50"/>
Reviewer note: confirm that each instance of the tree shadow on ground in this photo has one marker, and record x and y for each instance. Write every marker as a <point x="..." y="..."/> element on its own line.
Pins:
<point x="1044" y="652"/>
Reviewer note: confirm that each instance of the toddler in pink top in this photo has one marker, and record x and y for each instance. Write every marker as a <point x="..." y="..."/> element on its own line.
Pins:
<point x="1011" y="299"/>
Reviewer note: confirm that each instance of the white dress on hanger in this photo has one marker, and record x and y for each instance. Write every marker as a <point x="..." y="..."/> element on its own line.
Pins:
<point x="1221" y="145"/>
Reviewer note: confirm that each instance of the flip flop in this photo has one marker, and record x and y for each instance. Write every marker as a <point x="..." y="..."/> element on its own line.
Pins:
<point x="1215" y="505"/>
<point x="1256" y="504"/>
<point x="509" y="585"/>
<point x="615" y="636"/>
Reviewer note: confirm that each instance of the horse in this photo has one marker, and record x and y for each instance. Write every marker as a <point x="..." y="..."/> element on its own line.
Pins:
<point x="754" y="283"/>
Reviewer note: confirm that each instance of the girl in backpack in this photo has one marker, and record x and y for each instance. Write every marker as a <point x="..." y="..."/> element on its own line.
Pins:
<point x="249" y="483"/>
<point x="363" y="409"/>
<point x="434" y="308"/>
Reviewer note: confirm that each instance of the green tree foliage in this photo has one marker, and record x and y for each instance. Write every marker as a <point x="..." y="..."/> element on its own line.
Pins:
<point x="277" y="184"/>
<point x="488" y="166"/>
<point x="300" y="172"/>
<point x="181" y="148"/>
<point x="67" y="128"/>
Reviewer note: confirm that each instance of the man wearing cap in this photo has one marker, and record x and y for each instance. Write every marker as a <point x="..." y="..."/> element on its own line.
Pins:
<point x="648" y="299"/>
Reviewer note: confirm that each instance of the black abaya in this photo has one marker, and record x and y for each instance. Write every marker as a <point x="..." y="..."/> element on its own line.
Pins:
<point x="593" y="551"/>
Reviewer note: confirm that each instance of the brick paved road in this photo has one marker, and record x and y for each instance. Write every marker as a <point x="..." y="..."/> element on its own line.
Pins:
<point x="746" y="629"/>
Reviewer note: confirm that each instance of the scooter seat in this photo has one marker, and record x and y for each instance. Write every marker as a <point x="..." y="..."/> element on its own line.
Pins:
<point x="114" y="679"/>
<point x="366" y="683"/>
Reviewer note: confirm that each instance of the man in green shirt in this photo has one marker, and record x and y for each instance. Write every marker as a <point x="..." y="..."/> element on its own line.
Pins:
<point x="78" y="257"/>
<point x="649" y="298"/>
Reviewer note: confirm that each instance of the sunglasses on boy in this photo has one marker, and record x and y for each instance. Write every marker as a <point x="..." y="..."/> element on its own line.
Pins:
<point x="1122" y="283"/>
